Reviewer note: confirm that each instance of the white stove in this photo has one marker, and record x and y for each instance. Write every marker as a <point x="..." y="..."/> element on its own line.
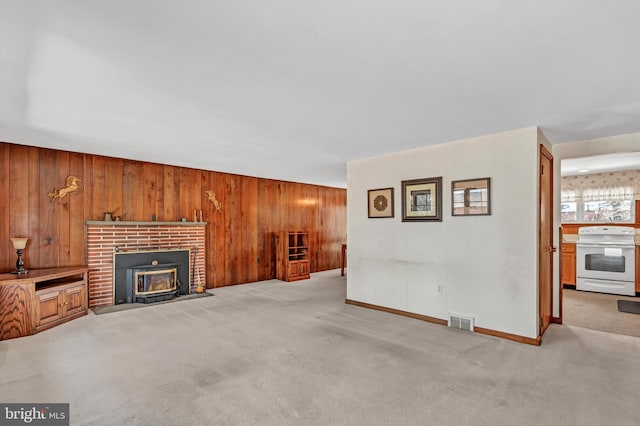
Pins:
<point x="605" y="259"/>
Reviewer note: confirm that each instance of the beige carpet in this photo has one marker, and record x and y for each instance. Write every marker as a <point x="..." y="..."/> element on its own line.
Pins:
<point x="278" y="353"/>
<point x="599" y="311"/>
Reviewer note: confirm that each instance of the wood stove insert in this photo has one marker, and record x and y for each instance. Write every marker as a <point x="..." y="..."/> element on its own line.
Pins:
<point x="151" y="276"/>
<point x="155" y="283"/>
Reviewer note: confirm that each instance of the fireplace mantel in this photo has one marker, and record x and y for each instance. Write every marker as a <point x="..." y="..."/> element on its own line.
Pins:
<point x="143" y="223"/>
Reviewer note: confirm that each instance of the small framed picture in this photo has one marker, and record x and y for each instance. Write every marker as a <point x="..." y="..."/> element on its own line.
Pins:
<point x="471" y="197"/>
<point x="422" y="200"/>
<point x="380" y="203"/>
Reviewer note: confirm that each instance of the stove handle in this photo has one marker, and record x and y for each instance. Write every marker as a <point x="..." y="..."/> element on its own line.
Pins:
<point x="605" y="245"/>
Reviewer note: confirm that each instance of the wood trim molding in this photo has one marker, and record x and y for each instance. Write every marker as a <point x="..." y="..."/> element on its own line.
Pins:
<point x="558" y="319"/>
<point x="503" y="335"/>
<point x="509" y="336"/>
<point x="397" y="312"/>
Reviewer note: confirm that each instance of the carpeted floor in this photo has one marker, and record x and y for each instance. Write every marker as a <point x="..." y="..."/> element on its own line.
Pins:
<point x="99" y="310"/>
<point x="276" y="353"/>
<point x="599" y="311"/>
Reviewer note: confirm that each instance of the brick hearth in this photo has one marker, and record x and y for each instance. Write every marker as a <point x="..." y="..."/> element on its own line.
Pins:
<point x="103" y="237"/>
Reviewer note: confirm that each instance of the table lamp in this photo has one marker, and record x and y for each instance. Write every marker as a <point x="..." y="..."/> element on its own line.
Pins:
<point x="19" y="244"/>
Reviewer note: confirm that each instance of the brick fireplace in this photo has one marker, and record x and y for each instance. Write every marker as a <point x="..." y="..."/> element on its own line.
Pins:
<point x="105" y="238"/>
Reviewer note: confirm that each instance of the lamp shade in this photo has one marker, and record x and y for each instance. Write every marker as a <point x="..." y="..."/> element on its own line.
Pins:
<point x="19" y="243"/>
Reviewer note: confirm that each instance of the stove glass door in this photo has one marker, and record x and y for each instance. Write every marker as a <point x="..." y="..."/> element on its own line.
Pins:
<point x="602" y="262"/>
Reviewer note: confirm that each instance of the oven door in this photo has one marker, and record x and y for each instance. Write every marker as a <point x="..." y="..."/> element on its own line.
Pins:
<point x="605" y="262"/>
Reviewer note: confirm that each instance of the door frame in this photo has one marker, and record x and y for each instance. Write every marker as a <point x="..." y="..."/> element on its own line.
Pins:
<point x="543" y="151"/>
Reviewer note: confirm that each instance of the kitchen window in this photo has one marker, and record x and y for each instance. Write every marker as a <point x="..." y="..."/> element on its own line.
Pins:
<point x="598" y="205"/>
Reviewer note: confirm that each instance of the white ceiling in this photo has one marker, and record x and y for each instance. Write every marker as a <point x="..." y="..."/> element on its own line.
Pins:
<point x="293" y="89"/>
<point x="600" y="163"/>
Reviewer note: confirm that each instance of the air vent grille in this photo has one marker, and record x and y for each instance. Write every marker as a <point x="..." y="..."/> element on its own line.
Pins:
<point x="461" y="322"/>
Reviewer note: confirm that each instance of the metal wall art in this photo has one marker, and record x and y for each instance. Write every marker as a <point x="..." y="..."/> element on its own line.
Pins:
<point x="211" y="197"/>
<point x="72" y="184"/>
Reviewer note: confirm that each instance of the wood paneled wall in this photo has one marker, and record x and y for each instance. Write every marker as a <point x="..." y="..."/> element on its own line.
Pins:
<point x="240" y="244"/>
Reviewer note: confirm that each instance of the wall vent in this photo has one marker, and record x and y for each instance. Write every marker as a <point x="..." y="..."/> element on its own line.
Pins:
<point x="460" y="322"/>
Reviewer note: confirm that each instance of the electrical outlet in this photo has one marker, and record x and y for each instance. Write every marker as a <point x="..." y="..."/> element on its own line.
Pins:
<point x="439" y="288"/>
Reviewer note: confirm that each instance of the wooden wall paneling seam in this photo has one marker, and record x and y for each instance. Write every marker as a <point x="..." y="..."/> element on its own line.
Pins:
<point x="137" y="191"/>
<point x="186" y="209"/>
<point x="191" y="188"/>
<point x="128" y="181"/>
<point x="177" y="212"/>
<point x="87" y="187"/>
<point x="49" y="212"/>
<point x="273" y="224"/>
<point x="261" y="226"/>
<point x="149" y="176"/>
<point x="250" y="229"/>
<point x="226" y="229"/>
<point x="205" y="185"/>
<point x="18" y="171"/>
<point x="231" y="231"/>
<point x="242" y="237"/>
<point x="159" y="204"/>
<point x="7" y="254"/>
<point x="77" y="234"/>
<point x="217" y="228"/>
<point x="114" y="171"/>
<point x="210" y="231"/>
<point x="100" y="201"/>
<point x="267" y="215"/>
<point x="36" y="201"/>
<point x="169" y="194"/>
<point x="318" y="240"/>
<point x="312" y="228"/>
<point x="64" y="213"/>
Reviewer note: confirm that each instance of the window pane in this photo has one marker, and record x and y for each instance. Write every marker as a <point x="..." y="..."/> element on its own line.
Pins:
<point x="569" y="212"/>
<point x="607" y="211"/>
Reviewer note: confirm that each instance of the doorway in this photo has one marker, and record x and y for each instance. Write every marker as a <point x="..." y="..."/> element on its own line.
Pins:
<point x="598" y="190"/>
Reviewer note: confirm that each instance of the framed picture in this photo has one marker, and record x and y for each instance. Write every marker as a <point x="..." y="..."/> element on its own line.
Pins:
<point x="422" y="200"/>
<point x="380" y="203"/>
<point x="471" y="197"/>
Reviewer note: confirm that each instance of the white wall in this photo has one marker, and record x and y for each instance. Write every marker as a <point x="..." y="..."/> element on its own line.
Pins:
<point x="609" y="145"/>
<point x="486" y="265"/>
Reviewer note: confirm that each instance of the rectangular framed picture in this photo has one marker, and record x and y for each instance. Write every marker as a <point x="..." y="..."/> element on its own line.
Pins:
<point x="471" y="197"/>
<point x="380" y="203"/>
<point x="422" y="200"/>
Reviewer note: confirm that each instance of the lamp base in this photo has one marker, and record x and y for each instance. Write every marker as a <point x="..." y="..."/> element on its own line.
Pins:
<point x="19" y="264"/>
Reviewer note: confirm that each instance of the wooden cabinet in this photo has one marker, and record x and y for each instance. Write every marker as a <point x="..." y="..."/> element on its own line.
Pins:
<point x="41" y="299"/>
<point x="568" y="275"/>
<point x="293" y="256"/>
<point x="59" y="303"/>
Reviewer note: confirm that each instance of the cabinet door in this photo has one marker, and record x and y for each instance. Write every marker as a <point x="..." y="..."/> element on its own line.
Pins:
<point x="49" y="307"/>
<point x="294" y="269"/>
<point x="304" y="267"/>
<point x="74" y="300"/>
<point x="568" y="264"/>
